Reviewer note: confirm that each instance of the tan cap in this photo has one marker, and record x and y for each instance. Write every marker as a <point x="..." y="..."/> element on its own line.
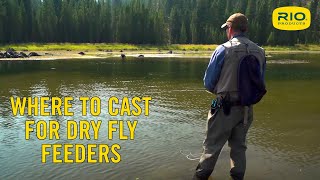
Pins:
<point x="238" y="21"/>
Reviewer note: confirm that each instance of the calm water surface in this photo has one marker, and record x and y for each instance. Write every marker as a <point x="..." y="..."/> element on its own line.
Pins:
<point x="283" y="142"/>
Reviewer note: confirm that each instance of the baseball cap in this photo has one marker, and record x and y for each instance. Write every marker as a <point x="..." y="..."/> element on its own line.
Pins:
<point x="238" y="21"/>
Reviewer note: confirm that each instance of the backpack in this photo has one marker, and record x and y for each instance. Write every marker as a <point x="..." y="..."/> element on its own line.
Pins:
<point x="250" y="81"/>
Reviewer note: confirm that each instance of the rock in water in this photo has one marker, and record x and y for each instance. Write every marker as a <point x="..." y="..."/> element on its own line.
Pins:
<point x="22" y="54"/>
<point x="6" y="55"/>
<point x="141" y="56"/>
<point x="33" y="54"/>
<point x="123" y="56"/>
<point x="16" y="55"/>
<point x="81" y="53"/>
<point x="9" y="54"/>
<point x="11" y="50"/>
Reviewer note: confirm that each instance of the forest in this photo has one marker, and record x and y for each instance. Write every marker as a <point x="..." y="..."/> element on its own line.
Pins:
<point x="146" y="21"/>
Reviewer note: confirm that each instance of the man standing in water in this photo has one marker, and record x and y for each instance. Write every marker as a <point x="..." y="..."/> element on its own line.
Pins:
<point x="230" y="118"/>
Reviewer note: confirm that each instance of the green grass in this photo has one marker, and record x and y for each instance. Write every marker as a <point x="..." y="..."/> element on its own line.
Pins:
<point x="102" y="46"/>
<point x="132" y="47"/>
<point x="297" y="47"/>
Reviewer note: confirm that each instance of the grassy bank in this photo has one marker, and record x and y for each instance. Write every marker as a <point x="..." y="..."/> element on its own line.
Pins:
<point x="131" y="47"/>
<point x="297" y="47"/>
<point x="103" y="47"/>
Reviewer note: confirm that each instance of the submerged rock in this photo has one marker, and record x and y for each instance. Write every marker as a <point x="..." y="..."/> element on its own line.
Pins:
<point x="23" y="54"/>
<point x="11" y="53"/>
<point x="49" y="54"/>
<point x="33" y="54"/>
<point x="6" y="55"/>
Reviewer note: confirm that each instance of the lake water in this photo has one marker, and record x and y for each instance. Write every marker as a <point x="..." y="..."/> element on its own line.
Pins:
<point x="283" y="141"/>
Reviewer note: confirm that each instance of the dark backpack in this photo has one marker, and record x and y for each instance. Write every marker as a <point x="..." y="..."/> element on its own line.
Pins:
<point x="250" y="81"/>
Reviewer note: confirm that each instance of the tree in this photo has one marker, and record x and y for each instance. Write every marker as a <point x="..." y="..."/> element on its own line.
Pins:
<point x="48" y="21"/>
<point x="183" y="34"/>
<point x="105" y="30"/>
<point x="3" y="14"/>
<point x="65" y="22"/>
<point x="194" y="25"/>
<point x="174" y="25"/>
<point x="145" y="21"/>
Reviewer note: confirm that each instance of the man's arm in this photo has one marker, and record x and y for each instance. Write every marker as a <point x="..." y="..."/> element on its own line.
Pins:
<point x="213" y="71"/>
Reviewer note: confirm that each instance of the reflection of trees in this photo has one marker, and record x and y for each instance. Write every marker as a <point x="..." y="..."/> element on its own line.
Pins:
<point x="17" y="66"/>
<point x="177" y="91"/>
<point x="35" y="78"/>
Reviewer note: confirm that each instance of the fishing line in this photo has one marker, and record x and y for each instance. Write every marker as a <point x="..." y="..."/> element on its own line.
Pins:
<point x="190" y="156"/>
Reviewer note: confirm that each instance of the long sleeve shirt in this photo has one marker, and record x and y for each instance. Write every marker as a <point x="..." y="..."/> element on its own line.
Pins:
<point x="213" y="71"/>
<point x="217" y="60"/>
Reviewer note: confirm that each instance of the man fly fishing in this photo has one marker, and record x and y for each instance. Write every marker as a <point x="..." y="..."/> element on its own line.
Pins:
<point x="235" y="74"/>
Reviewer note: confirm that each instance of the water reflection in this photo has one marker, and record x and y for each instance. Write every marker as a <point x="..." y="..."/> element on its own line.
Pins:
<point x="281" y="141"/>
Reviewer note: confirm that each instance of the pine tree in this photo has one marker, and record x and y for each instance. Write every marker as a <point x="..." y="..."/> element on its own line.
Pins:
<point x="3" y="15"/>
<point x="145" y="21"/>
<point x="251" y="11"/>
<point x="65" y="22"/>
<point x="271" y="39"/>
<point x="183" y="34"/>
<point x="105" y="22"/>
<point x="48" y="21"/>
<point x="174" y="25"/>
<point x="312" y="31"/>
<point x="194" y="28"/>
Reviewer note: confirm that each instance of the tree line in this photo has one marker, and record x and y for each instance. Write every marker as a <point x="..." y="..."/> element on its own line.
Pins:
<point x="146" y="21"/>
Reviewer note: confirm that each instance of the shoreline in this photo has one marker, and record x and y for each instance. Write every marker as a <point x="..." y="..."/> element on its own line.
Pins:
<point x="68" y="55"/>
<point x="65" y="51"/>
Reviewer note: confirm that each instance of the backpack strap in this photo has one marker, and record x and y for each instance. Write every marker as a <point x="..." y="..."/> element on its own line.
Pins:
<point x="247" y="47"/>
<point x="226" y="49"/>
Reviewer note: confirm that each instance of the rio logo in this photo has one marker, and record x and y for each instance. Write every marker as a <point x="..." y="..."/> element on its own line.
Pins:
<point x="291" y="18"/>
